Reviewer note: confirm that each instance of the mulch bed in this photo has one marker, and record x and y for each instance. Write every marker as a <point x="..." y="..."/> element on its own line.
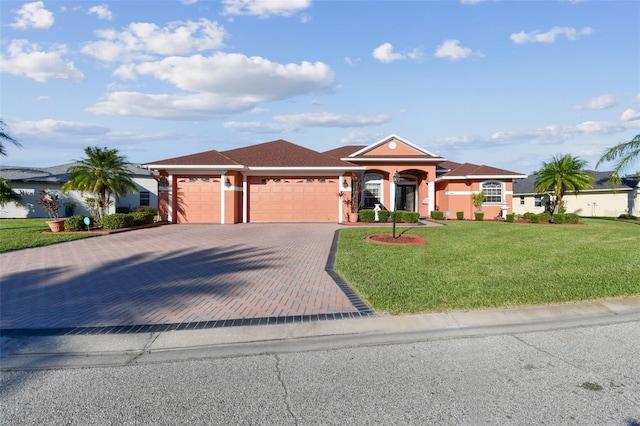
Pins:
<point x="400" y="240"/>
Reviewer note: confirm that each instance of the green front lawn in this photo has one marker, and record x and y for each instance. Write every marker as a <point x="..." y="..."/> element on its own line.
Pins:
<point x="475" y="265"/>
<point x="23" y="233"/>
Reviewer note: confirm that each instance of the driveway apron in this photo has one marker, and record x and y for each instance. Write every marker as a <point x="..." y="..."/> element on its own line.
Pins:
<point x="175" y="274"/>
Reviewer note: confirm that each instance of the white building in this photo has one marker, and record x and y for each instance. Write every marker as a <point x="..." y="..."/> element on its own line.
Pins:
<point x="29" y="181"/>
<point x="602" y="200"/>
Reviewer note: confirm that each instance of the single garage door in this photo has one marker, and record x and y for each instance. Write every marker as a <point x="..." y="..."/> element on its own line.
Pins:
<point x="302" y="199"/>
<point x="198" y="199"/>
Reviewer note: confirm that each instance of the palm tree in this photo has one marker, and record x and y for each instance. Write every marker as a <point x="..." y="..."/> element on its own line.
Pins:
<point x="562" y="174"/>
<point x="625" y="153"/>
<point x="6" y="194"/>
<point x="4" y="136"/>
<point x="103" y="173"/>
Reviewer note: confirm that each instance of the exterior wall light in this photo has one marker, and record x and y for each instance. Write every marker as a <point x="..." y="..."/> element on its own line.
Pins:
<point x="227" y="182"/>
<point x="345" y="185"/>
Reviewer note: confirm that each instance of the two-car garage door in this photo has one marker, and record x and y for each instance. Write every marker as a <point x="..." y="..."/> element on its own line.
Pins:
<point x="270" y="199"/>
<point x="293" y="199"/>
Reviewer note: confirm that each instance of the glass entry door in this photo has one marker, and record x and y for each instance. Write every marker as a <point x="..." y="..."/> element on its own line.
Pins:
<point x="406" y="197"/>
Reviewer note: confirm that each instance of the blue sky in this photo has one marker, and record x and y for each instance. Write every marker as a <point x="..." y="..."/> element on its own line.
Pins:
<point x="503" y="83"/>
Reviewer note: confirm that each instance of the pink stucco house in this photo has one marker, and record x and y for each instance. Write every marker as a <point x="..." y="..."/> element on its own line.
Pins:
<point x="280" y="181"/>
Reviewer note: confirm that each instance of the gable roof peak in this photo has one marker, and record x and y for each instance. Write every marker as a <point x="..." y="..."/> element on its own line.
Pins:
<point x="390" y="138"/>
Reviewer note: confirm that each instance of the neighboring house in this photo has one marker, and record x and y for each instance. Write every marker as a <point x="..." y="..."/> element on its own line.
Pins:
<point x="283" y="182"/>
<point x="29" y="181"/>
<point x="602" y="200"/>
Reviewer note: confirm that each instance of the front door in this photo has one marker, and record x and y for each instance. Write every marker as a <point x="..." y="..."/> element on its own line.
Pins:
<point x="406" y="197"/>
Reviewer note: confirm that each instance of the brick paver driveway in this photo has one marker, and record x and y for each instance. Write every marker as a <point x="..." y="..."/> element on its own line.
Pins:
<point x="177" y="274"/>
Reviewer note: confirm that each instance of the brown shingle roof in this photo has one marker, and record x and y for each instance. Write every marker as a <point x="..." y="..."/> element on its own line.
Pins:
<point x="281" y="153"/>
<point x="200" y="159"/>
<point x="344" y="151"/>
<point x="469" y="169"/>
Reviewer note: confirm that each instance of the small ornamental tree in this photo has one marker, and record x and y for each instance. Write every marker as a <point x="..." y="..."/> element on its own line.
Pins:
<point x="50" y="202"/>
<point x="478" y="199"/>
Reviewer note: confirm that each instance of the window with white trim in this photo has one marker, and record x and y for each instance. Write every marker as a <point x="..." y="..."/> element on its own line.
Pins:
<point x="522" y="201"/>
<point x="537" y="200"/>
<point x="144" y="198"/>
<point x="493" y="192"/>
<point x="372" y="193"/>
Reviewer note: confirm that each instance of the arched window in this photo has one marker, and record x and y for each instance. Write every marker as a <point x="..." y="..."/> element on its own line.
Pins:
<point x="372" y="193"/>
<point x="493" y="191"/>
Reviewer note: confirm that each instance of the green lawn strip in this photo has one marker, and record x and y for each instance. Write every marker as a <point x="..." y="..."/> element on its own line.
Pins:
<point x="474" y="265"/>
<point x="17" y="234"/>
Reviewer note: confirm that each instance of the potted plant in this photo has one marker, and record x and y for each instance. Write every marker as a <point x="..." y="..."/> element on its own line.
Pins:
<point x="50" y="202"/>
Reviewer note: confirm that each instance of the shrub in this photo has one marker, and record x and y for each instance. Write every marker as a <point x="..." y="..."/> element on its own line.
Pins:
<point x="366" y="215"/>
<point x="559" y="218"/>
<point x="534" y="218"/>
<point x="627" y="216"/>
<point x="511" y="217"/>
<point x="383" y="215"/>
<point x="545" y="217"/>
<point x="411" y="217"/>
<point x="571" y="218"/>
<point x="437" y="215"/>
<point x="479" y="216"/>
<point x="528" y="215"/>
<point x="152" y="210"/>
<point x="75" y="223"/>
<point x="460" y="215"/>
<point x="117" y="221"/>
<point x="143" y="217"/>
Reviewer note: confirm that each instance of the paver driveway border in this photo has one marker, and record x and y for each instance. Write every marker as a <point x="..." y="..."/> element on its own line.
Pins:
<point x="177" y="277"/>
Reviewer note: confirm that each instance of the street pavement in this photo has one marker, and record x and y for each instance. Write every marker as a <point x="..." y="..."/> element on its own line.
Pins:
<point x="581" y="370"/>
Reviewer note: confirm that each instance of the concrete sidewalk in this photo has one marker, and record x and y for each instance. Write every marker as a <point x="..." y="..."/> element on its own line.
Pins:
<point x="76" y="351"/>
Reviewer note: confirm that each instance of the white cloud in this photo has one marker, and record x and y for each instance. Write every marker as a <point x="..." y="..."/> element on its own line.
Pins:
<point x="360" y="138"/>
<point x="549" y="135"/>
<point x="142" y="40"/>
<point x="637" y="99"/>
<point x="550" y="36"/>
<point x="254" y="79"/>
<point x="33" y="15"/>
<point x="49" y="128"/>
<point x="600" y="102"/>
<point x="384" y="53"/>
<point x="327" y="119"/>
<point x="257" y="127"/>
<point x="452" y="49"/>
<point x="630" y="114"/>
<point x="198" y="106"/>
<point x="265" y="8"/>
<point x="102" y="12"/>
<point x="353" y="62"/>
<point x="189" y="2"/>
<point x="471" y="1"/>
<point x="295" y="122"/>
<point x="27" y="59"/>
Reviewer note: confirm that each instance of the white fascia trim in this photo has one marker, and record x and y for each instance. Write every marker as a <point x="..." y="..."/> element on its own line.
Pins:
<point x="394" y="160"/>
<point x="388" y="138"/>
<point x="195" y="167"/>
<point x="484" y="177"/>
<point x="305" y="169"/>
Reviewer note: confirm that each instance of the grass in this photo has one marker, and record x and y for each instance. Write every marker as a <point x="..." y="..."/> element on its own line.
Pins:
<point x="476" y="265"/>
<point x="17" y="234"/>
